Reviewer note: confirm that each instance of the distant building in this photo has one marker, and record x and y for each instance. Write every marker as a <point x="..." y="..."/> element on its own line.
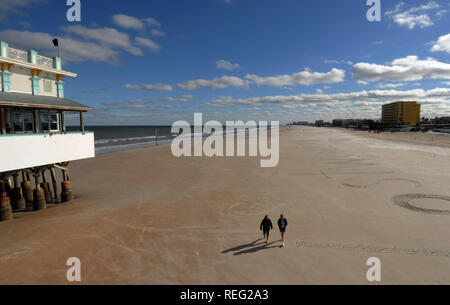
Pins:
<point x="401" y="113"/>
<point x="442" y="120"/>
<point x="347" y="123"/>
<point x="338" y="123"/>
<point x="302" y="123"/>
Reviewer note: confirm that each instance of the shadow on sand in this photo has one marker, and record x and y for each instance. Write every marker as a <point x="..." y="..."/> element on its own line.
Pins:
<point x="251" y="247"/>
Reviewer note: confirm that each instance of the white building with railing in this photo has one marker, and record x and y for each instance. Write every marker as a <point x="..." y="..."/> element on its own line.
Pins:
<point x="33" y="134"/>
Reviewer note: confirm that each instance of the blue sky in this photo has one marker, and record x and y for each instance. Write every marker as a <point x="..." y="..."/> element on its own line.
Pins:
<point x="155" y="62"/>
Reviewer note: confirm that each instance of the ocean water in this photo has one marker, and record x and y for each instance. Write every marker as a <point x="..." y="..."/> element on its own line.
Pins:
<point x="117" y="138"/>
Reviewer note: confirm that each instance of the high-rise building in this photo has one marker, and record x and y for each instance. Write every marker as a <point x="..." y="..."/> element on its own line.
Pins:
<point x="401" y="113"/>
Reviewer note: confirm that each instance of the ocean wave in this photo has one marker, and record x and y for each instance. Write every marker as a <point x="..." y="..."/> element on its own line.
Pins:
<point x="118" y="140"/>
<point x="113" y="148"/>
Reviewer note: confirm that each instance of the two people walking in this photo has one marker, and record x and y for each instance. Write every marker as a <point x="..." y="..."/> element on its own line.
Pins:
<point x="266" y="226"/>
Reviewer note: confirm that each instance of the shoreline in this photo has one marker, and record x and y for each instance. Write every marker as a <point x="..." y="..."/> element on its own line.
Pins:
<point x="125" y="147"/>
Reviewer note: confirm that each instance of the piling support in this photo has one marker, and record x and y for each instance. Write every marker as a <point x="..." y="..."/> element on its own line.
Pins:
<point x="67" y="193"/>
<point x="38" y="193"/>
<point x="55" y="186"/>
<point x="46" y="187"/>
<point x="66" y="186"/>
<point x="17" y="200"/>
<point x="27" y="189"/>
<point x="5" y="204"/>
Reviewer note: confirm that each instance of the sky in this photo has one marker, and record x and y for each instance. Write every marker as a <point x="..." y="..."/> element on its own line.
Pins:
<point x="155" y="62"/>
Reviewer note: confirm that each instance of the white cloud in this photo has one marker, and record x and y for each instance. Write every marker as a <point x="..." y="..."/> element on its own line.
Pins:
<point x="16" y="6"/>
<point x="338" y="62"/>
<point x="226" y="65"/>
<point x="149" y="87"/>
<point x="409" y="68"/>
<point x="332" y="61"/>
<point x="442" y="44"/>
<point x="98" y="44"/>
<point x="411" y="21"/>
<point x="391" y="86"/>
<point x="148" y="43"/>
<point x="140" y="102"/>
<point x="415" y="16"/>
<point x="128" y="22"/>
<point x="105" y="36"/>
<point x="306" y="78"/>
<point x="216" y="83"/>
<point x="153" y="22"/>
<point x="71" y="49"/>
<point x="437" y="95"/>
<point x="158" y="33"/>
<point x="183" y="98"/>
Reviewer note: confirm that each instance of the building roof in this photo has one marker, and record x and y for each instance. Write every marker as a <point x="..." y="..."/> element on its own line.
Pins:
<point x="23" y="100"/>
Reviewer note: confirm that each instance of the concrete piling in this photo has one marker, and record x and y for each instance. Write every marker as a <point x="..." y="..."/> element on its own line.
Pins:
<point x="27" y="192"/>
<point x="66" y="194"/>
<point x="18" y="197"/>
<point x="48" y="194"/>
<point x="18" y="202"/>
<point x="5" y="204"/>
<point x="39" y="200"/>
<point x="55" y="187"/>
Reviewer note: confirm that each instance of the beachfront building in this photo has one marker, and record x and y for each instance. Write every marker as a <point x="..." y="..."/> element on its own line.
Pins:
<point x="401" y="113"/>
<point x="33" y="135"/>
<point x="347" y="123"/>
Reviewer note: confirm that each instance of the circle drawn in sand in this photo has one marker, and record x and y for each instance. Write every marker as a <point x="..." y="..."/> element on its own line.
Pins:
<point x="404" y="201"/>
<point x="346" y="183"/>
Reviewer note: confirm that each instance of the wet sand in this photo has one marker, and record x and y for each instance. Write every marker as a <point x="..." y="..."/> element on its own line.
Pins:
<point x="145" y="217"/>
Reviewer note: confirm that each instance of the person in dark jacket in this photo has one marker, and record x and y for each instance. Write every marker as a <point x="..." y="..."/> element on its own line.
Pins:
<point x="282" y="225"/>
<point x="266" y="226"/>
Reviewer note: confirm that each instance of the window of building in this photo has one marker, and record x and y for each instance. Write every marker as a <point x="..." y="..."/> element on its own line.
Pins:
<point x="48" y="85"/>
<point x="22" y="122"/>
<point x="50" y="122"/>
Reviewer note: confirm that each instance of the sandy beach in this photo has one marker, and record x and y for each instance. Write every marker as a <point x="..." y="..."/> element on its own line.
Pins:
<point x="145" y="217"/>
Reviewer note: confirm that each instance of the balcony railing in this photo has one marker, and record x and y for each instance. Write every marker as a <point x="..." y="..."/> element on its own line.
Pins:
<point x="45" y="61"/>
<point x="18" y="54"/>
<point x="23" y="56"/>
